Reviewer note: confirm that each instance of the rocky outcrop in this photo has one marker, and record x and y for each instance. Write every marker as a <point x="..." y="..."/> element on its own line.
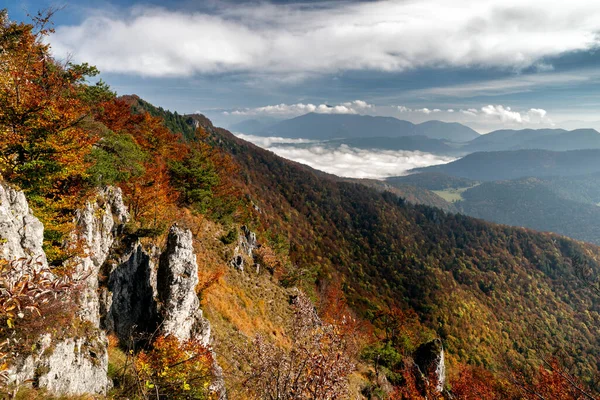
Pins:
<point x="177" y="278"/>
<point x="429" y="358"/>
<point x="21" y="233"/>
<point x="247" y="243"/>
<point x="136" y="297"/>
<point x="97" y="226"/>
<point x="72" y="366"/>
<point x="130" y="303"/>
<point x="176" y="283"/>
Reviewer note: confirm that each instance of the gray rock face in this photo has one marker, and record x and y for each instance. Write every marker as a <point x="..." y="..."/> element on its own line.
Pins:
<point x="177" y="278"/>
<point x="247" y="243"/>
<point x="74" y="365"/>
<point x="21" y="233"/>
<point x="79" y="365"/>
<point x="70" y="367"/>
<point x="429" y="357"/>
<point x="97" y="226"/>
<point x="131" y="307"/>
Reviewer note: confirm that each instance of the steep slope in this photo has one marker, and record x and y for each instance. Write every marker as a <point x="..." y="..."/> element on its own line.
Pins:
<point x="335" y="126"/>
<point x="478" y="285"/>
<point x="492" y="166"/>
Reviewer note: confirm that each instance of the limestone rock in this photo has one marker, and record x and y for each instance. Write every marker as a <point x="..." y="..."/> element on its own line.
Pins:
<point x="177" y="278"/>
<point x="72" y="366"/>
<point x="97" y="226"/>
<point x="130" y="304"/>
<point x="247" y="243"/>
<point x="21" y="233"/>
<point x="429" y="357"/>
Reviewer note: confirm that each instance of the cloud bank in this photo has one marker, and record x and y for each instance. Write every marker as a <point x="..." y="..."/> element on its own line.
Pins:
<point x="393" y="35"/>
<point x="347" y="161"/>
<point x="352" y="107"/>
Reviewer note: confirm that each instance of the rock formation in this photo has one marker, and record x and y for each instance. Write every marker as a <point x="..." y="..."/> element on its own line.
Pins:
<point x="137" y="296"/>
<point x="129" y="303"/>
<point x="73" y="365"/>
<point x="429" y="358"/>
<point x="20" y="232"/>
<point x="97" y="226"/>
<point x="176" y="282"/>
<point x="247" y="243"/>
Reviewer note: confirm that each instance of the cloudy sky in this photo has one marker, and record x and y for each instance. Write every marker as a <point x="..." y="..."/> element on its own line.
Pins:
<point x="486" y="63"/>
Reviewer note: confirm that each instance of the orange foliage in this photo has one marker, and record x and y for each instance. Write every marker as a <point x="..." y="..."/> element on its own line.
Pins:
<point x="474" y="383"/>
<point x="554" y="382"/>
<point x="150" y="197"/>
<point x="175" y="370"/>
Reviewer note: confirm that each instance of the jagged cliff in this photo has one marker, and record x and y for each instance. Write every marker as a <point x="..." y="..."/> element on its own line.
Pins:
<point x="124" y="289"/>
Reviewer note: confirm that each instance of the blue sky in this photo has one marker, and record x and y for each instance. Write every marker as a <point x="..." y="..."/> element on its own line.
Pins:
<point x="489" y="64"/>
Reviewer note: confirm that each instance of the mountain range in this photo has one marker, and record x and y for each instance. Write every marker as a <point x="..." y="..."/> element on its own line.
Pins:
<point x="344" y="126"/>
<point x="435" y="137"/>
<point x="500" y="165"/>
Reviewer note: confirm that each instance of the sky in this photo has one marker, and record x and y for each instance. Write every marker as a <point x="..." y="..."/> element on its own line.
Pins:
<point x="488" y="64"/>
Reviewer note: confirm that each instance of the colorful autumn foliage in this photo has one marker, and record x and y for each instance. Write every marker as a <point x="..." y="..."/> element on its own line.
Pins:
<point x="316" y="365"/>
<point x="174" y="370"/>
<point x="29" y="293"/>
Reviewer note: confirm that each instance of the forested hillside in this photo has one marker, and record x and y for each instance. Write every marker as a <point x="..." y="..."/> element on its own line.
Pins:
<point x="316" y="287"/>
<point x="475" y="284"/>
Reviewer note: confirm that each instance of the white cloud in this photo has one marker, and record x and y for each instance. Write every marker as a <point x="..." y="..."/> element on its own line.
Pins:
<point x="352" y="107"/>
<point x="347" y="161"/>
<point x="517" y="84"/>
<point x="450" y="110"/>
<point x="471" y="111"/>
<point x="504" y="114"/>
<point x="424" y="110"/>
<point x="537" y="112"/>
<point x="404" y="109"/>
<point x="391" y="35"/>
<point x="509" y="116"/>
<point x="268" y="141"/>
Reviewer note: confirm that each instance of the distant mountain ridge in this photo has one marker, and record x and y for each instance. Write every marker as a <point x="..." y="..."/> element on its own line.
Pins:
<point x="503" y="165"/>
<point x="338" y="126"/>
<point x="543" y="139"/>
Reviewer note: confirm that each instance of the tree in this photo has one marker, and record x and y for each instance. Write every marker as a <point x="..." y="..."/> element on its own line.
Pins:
<point x="43" y="145"/>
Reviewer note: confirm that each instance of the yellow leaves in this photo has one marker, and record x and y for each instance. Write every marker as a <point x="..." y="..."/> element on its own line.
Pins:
<point x="170" y="366"/>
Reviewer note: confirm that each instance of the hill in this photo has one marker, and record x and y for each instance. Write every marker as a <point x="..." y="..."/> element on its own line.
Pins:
<point x="337" y="126"/>
<point x="411" y="193"/>
<point x="503" y="165"/>
<point x="252" y="126"/>
<point x="544" y="139"/>
<point x="456" y="272"/>
<point x="533" y="203"/>
<point x="432" y="181"/>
